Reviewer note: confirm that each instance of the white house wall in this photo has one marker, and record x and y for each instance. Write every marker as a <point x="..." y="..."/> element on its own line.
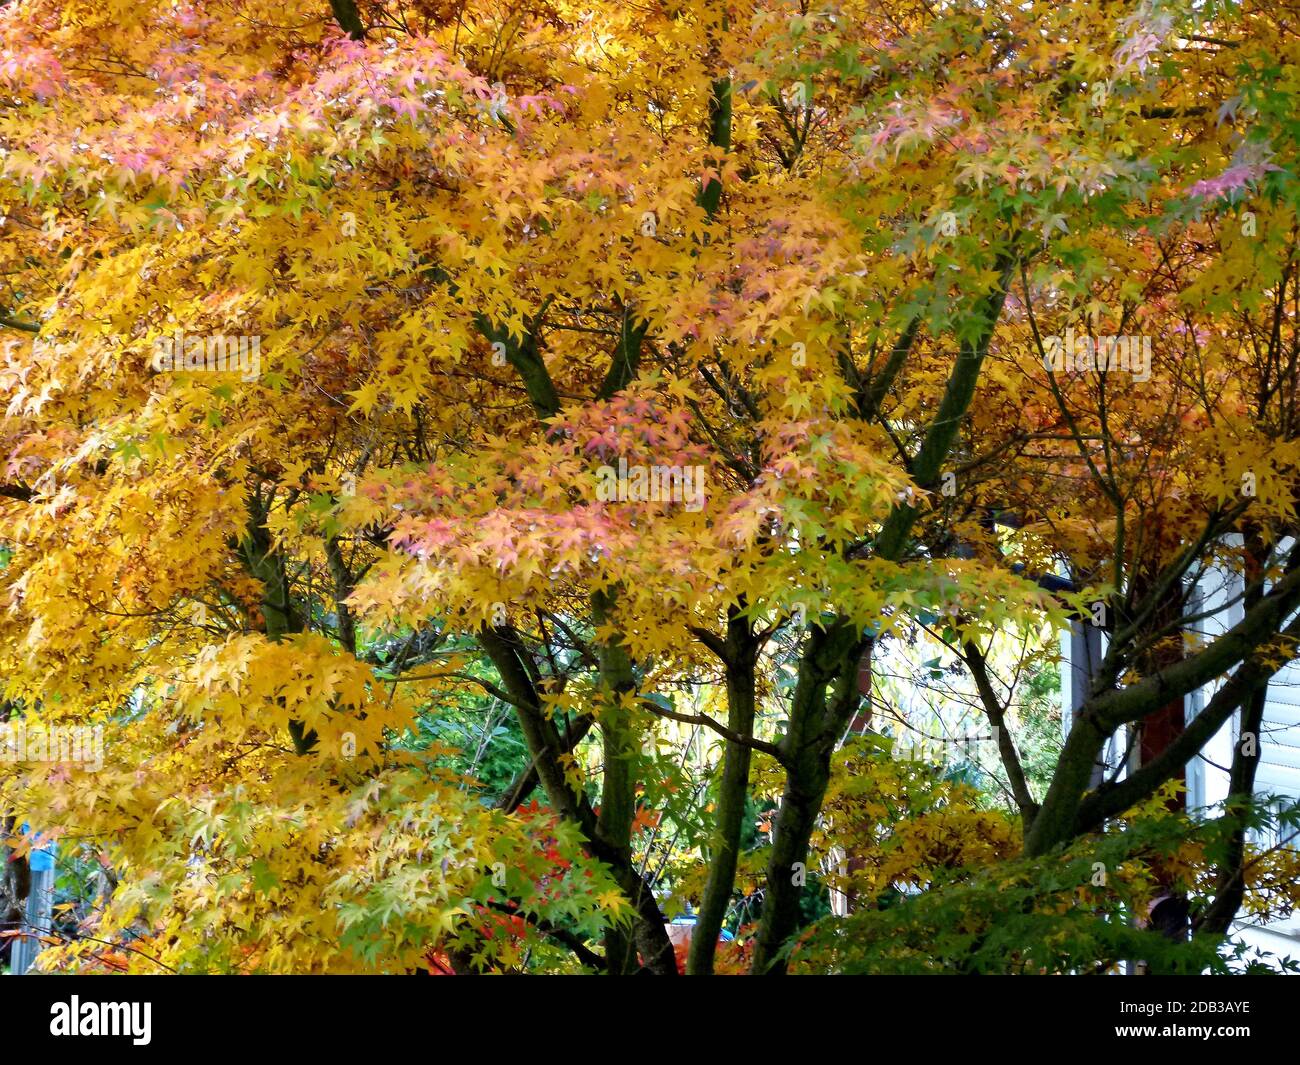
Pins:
<point x="1219" y="594"/>
<point x="1278" y="772"/>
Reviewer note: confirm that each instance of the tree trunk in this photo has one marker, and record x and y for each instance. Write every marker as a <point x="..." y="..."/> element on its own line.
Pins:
<point x="1230" y="882"/>
<point x="830" y="658"/>
<point x="741" y="662"/>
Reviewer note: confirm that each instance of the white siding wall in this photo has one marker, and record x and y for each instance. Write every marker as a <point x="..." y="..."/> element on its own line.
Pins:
<point x="1219" y="594"/>
<point x="1279" y="767"/>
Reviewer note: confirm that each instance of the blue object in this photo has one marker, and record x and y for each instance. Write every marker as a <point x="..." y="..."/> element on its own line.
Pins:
<point x="41" y="859"/>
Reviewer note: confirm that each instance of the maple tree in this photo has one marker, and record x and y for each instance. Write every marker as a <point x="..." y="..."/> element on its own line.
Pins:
<point x="628" y="379"/>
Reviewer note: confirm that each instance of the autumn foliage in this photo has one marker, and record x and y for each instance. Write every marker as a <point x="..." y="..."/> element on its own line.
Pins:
<point x="391" y="677"/>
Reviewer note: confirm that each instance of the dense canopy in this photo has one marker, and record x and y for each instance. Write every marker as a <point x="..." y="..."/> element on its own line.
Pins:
<point x="495" y="471"/>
